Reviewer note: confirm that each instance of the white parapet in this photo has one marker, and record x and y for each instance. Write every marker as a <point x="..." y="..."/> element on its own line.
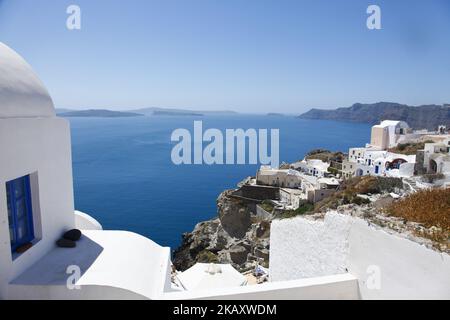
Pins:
<point x="387" y="264"/>
<point x="337" y="287"/>
<point x="84" y="221"/>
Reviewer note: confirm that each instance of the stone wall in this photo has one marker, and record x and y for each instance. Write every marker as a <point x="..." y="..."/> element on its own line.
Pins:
<point x="259" y="192"/>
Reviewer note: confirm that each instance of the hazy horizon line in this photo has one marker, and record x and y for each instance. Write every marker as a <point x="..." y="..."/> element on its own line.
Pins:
<point x="230" y="110"/>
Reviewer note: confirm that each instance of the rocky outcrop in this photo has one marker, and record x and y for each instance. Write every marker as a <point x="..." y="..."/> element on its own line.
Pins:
<point x="235" y="218"/>
<point x="236" y="236"/>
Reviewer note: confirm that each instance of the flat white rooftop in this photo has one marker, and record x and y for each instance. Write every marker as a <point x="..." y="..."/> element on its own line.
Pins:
<point x="118" y="259"/>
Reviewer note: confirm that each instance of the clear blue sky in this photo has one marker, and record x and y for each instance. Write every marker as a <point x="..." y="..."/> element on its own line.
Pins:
<point x="244" y="55"/>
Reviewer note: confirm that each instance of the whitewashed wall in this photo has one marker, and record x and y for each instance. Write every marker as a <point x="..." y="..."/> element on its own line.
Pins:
<point x="387" y="265"/>
<point x="301" y="248"/>
<point x="40" y="147"/>
<point x="403" y="269"/>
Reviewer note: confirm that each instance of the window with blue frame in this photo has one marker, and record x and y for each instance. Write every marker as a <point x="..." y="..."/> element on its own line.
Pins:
<point x="20" y="215"/>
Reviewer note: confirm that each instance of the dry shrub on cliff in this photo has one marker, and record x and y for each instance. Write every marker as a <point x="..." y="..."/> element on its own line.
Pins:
<point x="325" y="155"/>
<point x="428" y="207"/>
<point x="304" y="208"/>
<point x="350" y="188"/>
<point x="370" y="184"/>
<point x="409" y="148"/>
<point x="207" y="256"/>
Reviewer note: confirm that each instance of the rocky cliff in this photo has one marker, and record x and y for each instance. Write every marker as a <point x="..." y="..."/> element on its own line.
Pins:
<point x="238" y="236"/>
<point x="421" y="117"/>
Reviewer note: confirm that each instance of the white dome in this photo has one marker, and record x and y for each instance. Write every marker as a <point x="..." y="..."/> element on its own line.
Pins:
<point x="22" y="94"/>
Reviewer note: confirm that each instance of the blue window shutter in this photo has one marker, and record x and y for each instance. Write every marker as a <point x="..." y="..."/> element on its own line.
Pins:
<point x="20" y="209"/>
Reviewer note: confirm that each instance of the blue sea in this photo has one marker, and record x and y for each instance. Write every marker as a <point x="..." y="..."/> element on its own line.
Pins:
<point x="124" y="176"/>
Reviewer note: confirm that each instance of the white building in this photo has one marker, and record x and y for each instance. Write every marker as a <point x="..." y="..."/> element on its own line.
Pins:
<point x="291" y="198"/>
<point x="316" y="189"/>
<point x="375" y="159"/>
<point x="296" y="186"/>
<point x="369" y="161"/>
<point x="437" y="157"/>
<point x="440" y="163"/>
<point x="388" y="134"/>
<point x="314" y="167"/>
<point x="284" y="178"/>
